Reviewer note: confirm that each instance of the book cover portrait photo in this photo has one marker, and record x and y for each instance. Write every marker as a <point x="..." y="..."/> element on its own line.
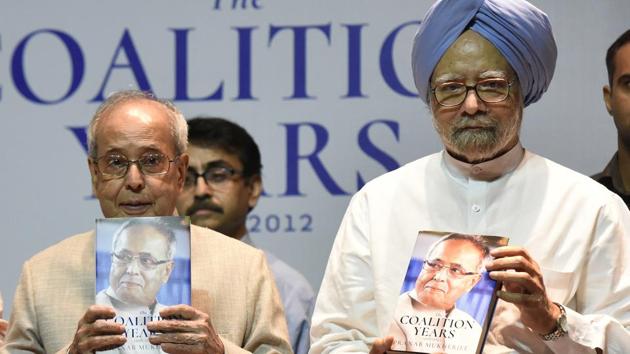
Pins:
<point x="446" y="298"/>
<point x="142" y="266"/>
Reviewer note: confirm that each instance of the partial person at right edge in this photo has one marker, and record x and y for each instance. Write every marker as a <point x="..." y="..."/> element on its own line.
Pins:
<point x="616" y="175"/>
<point x="223" y="184"/>
<point x="3" y="323"/>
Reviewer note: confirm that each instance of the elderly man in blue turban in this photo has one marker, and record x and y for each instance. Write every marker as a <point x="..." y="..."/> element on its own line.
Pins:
<point x="566" y="280"/>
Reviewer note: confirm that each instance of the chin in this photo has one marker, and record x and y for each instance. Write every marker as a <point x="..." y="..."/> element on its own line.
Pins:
<point x="428" y="301"/>
<point x="204" y="221"/>
<point x="476" y="154"/>
<point x="129" y="299"/>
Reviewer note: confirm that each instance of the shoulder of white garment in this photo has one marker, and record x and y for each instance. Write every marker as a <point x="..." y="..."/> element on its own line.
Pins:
<point x="402" y="173"/>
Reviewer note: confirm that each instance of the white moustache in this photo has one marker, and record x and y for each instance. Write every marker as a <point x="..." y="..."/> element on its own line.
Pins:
<point x="477" y="121"/>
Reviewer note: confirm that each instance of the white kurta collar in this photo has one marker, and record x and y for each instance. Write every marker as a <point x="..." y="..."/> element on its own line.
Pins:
<point x="488" y="170"/>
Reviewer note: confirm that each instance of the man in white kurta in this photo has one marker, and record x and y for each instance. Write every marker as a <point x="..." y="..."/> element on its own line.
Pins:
<point x="576" y="230"/>
<point x="567" y="274"/>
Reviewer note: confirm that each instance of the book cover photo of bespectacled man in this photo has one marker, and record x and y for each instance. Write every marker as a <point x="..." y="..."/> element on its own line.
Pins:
<point x="447" y="298"/>
<point x="142" y="266"/>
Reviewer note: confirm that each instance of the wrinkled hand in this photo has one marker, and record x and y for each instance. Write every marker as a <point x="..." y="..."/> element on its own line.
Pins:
<point x="524" y="287"/>
<point x="184" y="329"/>
<point x="381" y="345"/>
<point x="94" y="332"/>
<point x="4" y="325"/>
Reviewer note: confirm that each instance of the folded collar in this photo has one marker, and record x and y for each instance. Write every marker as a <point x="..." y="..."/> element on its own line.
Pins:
<point x="488" y="170"/>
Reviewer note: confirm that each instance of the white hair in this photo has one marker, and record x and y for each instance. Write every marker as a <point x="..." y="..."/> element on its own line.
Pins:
<point x="178" y="124"/>
<point x="162" y="227"/>
<point x="476" y="240"/>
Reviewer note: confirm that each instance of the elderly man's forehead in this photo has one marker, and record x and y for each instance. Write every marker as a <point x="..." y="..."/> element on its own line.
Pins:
<point x="142" y="231"/>
<point x="134" y="100"/>
<point x="141" y="108"/>
<point x="471" y="55"/>
<point x="453" y="76"/>
<point x="453" y="244"/>
<point x="136" y="123"/>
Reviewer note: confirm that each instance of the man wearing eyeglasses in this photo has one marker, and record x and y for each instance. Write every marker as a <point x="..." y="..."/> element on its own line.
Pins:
<point x="222" y="185"/>
<point x="566" y="278"/>
<point x="142" y="261"/>
<point x="137" y="158"/>
<point x="223" y="181"/>
<point x="451" y="268"/>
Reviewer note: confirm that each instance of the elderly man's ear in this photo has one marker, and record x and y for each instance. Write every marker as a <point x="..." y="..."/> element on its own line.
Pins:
<point x="182" y="166"/>
<point x="474" y="281"/>
<point x="167" y="272"/>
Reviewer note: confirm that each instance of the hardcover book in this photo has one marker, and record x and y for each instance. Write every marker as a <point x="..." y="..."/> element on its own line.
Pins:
<point x="142" y="266"/>
<point x="446" y="299"/>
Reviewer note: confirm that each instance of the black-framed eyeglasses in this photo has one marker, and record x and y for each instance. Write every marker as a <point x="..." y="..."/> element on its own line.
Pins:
<point x="215" y="176"/>
<point x="145" y="262"/>
<point x="150" y="164"/>
<point x="453" y="93"/>
<point x="454" y="271"/>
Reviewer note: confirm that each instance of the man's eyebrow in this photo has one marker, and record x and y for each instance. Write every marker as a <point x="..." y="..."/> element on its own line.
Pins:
<point x="447" y="264"/>
<point x="447" y="77"/>
<point x="484" y="75"/>
<point x="493" y="74"/>
<point x="218" y="163"/>
<point x="113" y="151"/>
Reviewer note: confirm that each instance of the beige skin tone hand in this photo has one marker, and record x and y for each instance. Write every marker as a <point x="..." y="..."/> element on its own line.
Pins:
<point x="94" y="332"/>
<point x="185" y="329"/>
<point x="381" y="345"/>
<point x="523" y="286"/>
<point x="4" y="325"/>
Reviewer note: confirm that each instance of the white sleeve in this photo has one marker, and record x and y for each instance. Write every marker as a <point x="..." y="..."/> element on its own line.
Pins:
<point x="601" y="318"/>
<point x="344" y="319"/>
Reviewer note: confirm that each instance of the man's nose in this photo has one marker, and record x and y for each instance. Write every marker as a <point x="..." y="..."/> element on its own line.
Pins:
<point x="202" y="188"/>
<point x="134" y="179"/>
<point x="133" y="267"/>
<point x="441" y="274"/>
<point x="472" y="103"/>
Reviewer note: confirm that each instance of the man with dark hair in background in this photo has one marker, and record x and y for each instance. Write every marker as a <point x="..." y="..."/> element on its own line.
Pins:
<point x="616" y="175"/>
<point x="223" y="184"/>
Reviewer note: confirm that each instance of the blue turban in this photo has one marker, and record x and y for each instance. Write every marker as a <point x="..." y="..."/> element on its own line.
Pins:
<point x="520" y="31"/>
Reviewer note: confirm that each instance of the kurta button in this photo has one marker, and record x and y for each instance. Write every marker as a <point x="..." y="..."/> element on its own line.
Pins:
<point x="476" y="208"/>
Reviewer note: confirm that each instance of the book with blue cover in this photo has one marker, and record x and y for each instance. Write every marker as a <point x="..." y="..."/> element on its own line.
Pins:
<point x="446" y="299"/>
<point x="142" y="266"/>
